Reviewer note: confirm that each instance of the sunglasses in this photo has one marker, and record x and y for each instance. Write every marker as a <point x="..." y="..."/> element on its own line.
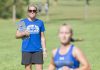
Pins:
<point x="30" y="11"/>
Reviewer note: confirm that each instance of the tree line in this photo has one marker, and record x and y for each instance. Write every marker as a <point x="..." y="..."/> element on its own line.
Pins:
<point x="6" y="7"/>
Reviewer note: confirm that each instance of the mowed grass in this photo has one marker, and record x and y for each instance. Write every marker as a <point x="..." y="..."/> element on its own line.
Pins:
<point x="71" y="12"/>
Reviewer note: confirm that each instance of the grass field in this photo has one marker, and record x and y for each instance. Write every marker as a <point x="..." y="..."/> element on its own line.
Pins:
<point x="66" y="11"/>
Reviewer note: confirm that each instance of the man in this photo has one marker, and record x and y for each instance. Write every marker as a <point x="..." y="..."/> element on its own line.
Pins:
<point x="33" y="40"/>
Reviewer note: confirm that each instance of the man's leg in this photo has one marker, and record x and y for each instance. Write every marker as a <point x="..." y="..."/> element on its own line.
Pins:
<point x="26" y="60"/>
<point x="39" y="66"/>
<point x="28" y="67"/>
<point x="37" y="60"/>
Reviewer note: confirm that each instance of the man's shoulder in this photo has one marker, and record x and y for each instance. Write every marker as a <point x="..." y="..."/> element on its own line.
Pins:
<point x="39" y="20"/>
<point x="23" y="20"/>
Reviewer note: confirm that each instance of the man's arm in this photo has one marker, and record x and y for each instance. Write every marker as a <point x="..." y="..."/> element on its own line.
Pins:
<point x="21" y="34"/>
<point x="43" y="41"/>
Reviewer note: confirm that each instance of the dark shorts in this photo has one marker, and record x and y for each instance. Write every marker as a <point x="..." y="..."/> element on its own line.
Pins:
<point x="32" y="58"/>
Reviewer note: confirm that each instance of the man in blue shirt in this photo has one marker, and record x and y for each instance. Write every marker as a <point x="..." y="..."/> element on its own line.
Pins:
<point x="33" y="40"/>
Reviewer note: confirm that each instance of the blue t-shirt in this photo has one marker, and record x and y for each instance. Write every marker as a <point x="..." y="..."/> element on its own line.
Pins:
<point x="65" y="60"/>
<point x="33" y="42"/>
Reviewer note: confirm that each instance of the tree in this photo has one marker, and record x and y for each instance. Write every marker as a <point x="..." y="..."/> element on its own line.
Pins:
<point x="87" y="2"/>
<point x="6" y="8"/>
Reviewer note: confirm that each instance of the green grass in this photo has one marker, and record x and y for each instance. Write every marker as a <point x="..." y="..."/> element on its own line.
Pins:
<point x="72" y="13"/>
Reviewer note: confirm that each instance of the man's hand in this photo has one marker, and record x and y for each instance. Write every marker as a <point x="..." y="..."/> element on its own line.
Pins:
<point x="22" y="34"/>
<point x="44" y="53"/>
<point x="26" y="33"/>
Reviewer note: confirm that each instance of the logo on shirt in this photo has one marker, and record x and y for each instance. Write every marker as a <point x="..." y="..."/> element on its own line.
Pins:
<point x="33" y="29"/>
<point x="61" y="58"/>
